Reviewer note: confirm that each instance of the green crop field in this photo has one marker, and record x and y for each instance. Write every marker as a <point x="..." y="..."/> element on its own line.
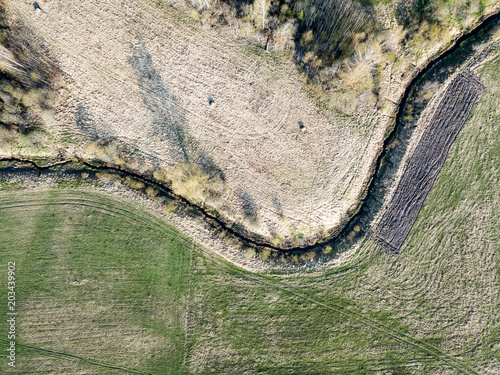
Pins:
<point x="103" y="287"/>
<point x="94" y="279"/>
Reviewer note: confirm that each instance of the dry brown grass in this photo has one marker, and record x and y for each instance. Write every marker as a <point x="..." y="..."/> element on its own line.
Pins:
<point x="140" y="74"/>
<point x="251" y="133"/>
<point x="191" y="182"/>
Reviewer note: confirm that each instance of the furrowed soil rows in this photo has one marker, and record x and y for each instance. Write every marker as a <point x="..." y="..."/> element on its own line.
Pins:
<point x="423" y="167"/>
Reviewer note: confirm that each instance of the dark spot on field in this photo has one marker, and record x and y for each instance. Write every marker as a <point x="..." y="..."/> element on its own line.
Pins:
<point x="278" y="206"/>
<point x="167" y="116"/>
<point x="248" y="205"/>
<point x="86" y="123"/>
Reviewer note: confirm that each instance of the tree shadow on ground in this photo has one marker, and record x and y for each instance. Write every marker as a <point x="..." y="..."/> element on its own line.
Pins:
<point x="167" y="116"/>
<point x="86" y="123"/>
<point x="248" y="205"/>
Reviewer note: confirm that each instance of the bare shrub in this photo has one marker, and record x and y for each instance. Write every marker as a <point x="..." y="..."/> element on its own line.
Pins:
<point x="333" y="24"/>
<point x="192" y="182"/>
<point x="283" y="36"/>
<point x="361" y="67"/>
<point x="39" y="69"/>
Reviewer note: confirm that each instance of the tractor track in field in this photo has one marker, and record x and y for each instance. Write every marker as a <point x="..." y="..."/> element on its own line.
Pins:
<point x="56" y="354"/>
<point x="429" y="349"/>
<point x="76" y="200"/>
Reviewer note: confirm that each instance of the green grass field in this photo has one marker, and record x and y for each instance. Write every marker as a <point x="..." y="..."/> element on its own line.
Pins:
<point x="95" y="279"/>
<point x="103" y="287"/>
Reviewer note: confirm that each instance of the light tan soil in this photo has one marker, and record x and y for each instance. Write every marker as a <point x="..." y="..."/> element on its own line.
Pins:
<point x="140" y="75"/>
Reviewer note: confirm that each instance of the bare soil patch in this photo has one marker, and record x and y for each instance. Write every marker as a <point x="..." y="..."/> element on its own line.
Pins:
<point x="429" y="155"/>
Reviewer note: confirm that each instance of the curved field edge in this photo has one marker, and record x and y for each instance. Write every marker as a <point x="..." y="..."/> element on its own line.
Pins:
<point x="244" y="251"/>
<point x="152" y="102"/>
<point x="243" y="229"/>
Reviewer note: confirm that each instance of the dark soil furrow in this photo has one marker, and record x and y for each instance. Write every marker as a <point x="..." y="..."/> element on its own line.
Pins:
<point x="424" y="165"/>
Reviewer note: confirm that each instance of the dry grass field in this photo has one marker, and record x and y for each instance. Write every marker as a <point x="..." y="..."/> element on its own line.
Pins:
<point x="141" y="74"/>
<point x="145" y="86"/>
<point x="433" y="309"/>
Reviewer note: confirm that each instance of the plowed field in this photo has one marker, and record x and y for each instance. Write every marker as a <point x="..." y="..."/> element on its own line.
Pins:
<point x="424" y="165"/>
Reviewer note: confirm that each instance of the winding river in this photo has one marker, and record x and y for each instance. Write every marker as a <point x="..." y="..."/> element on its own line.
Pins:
<point x="387" y="163"/>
